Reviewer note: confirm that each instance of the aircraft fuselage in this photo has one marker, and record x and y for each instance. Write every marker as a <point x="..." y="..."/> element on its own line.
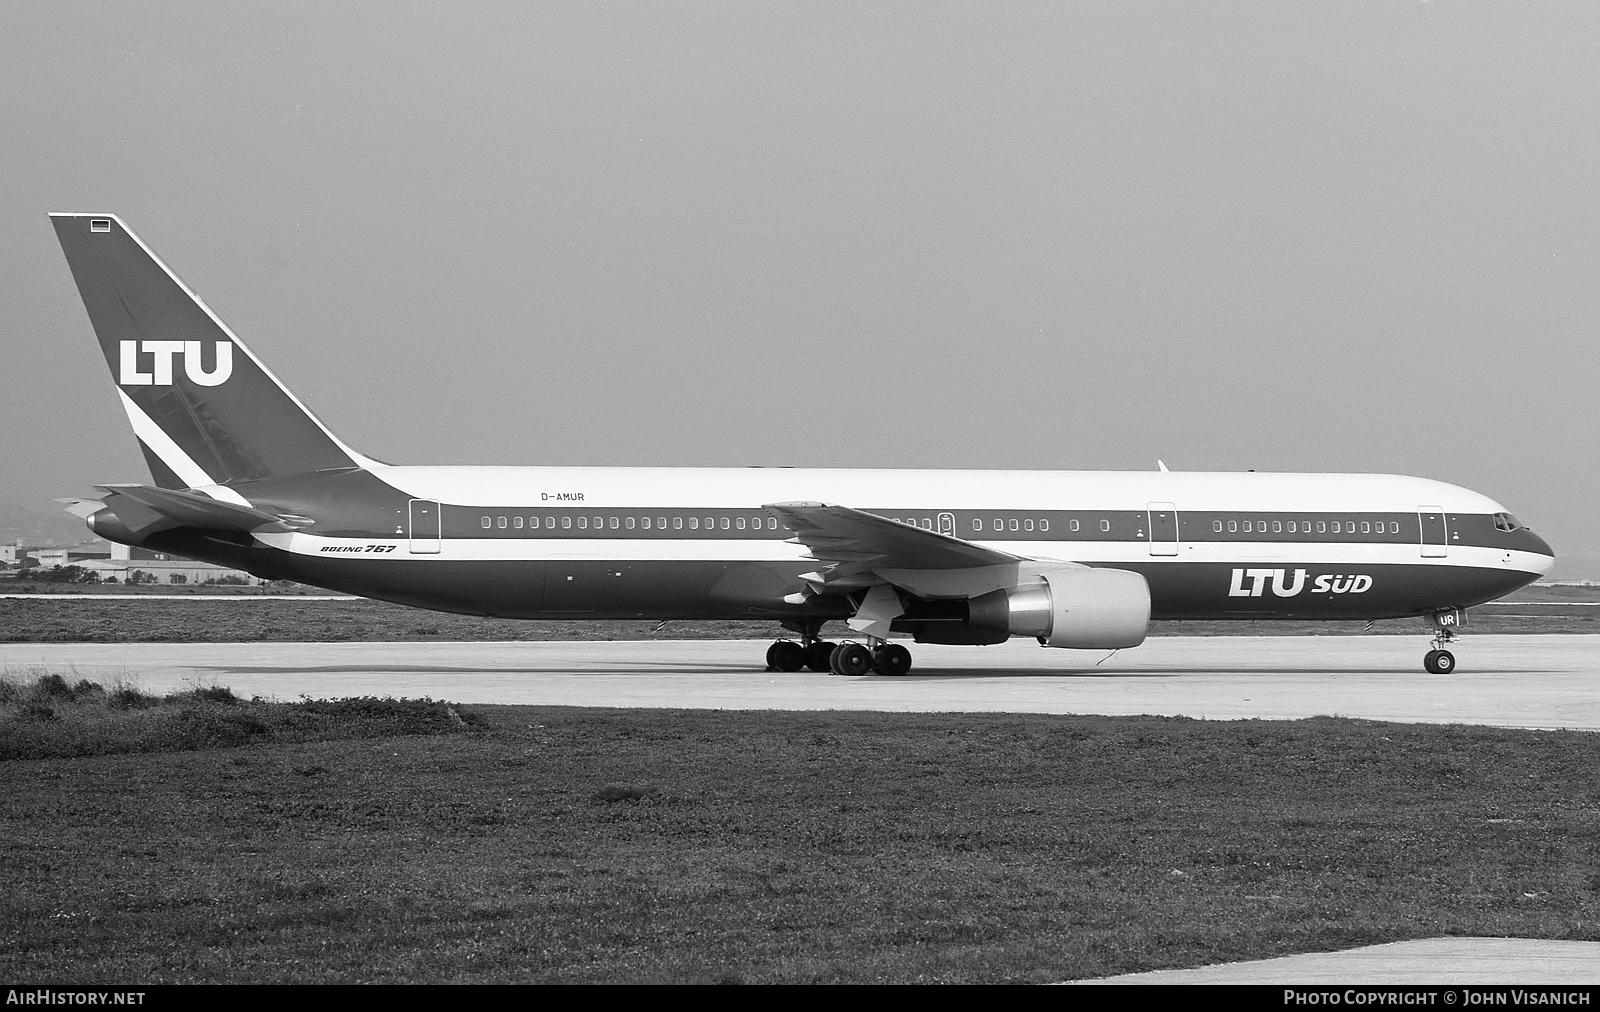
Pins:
<point x="676" y="543"/>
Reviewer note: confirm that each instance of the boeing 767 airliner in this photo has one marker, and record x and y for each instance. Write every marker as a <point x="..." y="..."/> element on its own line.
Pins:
<point x="244" y="475"/>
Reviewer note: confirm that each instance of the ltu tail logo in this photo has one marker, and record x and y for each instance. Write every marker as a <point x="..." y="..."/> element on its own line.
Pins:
<point x="162" y="354"/>
<point x="1282" y="586"/>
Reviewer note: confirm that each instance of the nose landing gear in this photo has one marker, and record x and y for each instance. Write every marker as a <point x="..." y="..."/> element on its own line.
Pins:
<point x="1439" y="661"/>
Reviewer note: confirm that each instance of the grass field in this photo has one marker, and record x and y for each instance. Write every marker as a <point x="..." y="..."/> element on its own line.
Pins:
<point x="53" y="618"/>
<point x="576" y="845"/>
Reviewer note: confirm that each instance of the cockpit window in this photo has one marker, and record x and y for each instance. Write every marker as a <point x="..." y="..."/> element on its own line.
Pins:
<point x="1506" y="522"/>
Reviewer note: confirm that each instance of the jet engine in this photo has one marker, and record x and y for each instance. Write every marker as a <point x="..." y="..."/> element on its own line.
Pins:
<point x="1097" y="609"/>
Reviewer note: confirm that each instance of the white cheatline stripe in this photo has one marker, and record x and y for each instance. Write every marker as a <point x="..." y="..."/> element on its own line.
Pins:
<point x="773" y="550"/>
<point x="172" y="455"/>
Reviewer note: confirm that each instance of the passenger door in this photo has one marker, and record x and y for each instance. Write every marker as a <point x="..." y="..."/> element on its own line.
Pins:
<point x="1163" y="528"/>
<point x="1435" y="532"/>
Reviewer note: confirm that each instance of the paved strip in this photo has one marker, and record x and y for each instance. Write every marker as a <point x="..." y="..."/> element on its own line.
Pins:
<point x="1457" y="961"/>
<point x="1534" y="681"/>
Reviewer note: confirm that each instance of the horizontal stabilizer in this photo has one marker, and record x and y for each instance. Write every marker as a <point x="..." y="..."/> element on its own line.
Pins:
<point x="83" y="509"/>
<point x="191" y="509"/>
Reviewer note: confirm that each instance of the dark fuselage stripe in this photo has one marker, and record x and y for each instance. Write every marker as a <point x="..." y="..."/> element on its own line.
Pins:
<point x="1064" y="526"/>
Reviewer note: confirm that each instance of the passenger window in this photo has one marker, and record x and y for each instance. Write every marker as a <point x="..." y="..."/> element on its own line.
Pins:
<point x="1277" y="526"/>
<point x="677" y="523"/>
<point x="583" y="523"/>
<point x="772" y="523"/>
<point x="977" y="525"/>
<point x="740" y="524"/>
<point x="1044" y="525"/>
<point x="1027" y="525"/>
<point x="487" y="523"/>
<point x="694" y="523"/>
<point x="1073" y="525"/>
<point x="566" y="523"/>
<point x="1233" y="527"/>
<point x="643" y="522"/>
<point x="518" y="523"/>
<point x="1216" y="526"/>
<point x="1105" y="525"/>
<point x="630" y="523"/>
<point x="1394" y="527"/>
<point x="1016" y="525"/>
<point x="501" y="523"/>
<point x="1366" y="527"/>
<point x="661" y="523"/>
<point x="726" y="525"/>
<point x="615" y="523"/>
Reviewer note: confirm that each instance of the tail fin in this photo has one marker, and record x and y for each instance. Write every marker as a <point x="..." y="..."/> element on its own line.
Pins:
<point x="206" y="411"/>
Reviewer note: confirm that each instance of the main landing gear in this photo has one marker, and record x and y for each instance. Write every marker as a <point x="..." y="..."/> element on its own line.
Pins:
<point x="840" y="658"/>
<point x="856" y="659"/>
<point x="1440" y="661"/>
<point x="811" y="652"/>
<point x="787" y="655"/>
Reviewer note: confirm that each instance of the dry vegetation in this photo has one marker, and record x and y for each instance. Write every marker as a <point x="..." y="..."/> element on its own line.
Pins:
<point x="562" y="844"/>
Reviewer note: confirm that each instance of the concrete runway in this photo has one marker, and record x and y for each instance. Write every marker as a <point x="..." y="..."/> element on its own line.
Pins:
<point x="1537" y="681"/>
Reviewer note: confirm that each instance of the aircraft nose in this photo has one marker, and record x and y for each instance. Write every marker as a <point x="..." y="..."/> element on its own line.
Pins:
<point x="1539" y="546"/>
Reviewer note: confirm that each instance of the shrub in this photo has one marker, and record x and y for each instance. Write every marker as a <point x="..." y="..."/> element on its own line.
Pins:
<point x="213" y="694"/>
<point x="126" y="697"/>
<point x="37" y="712"/>
<point x="68" y="574"/>
<point x="52" y="686"/>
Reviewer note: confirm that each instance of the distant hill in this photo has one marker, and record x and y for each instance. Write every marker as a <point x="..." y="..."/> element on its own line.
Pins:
<point x="1575" y="567"/>
<point x="37" y="529"/>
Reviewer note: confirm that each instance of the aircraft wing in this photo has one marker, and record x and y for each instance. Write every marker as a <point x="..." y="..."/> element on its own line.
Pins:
<point x="191" y="509"/>
<point x="855" y="547"/>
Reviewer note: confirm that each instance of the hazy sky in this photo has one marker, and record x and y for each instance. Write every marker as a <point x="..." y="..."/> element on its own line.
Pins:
<point x="1282" y="236"/>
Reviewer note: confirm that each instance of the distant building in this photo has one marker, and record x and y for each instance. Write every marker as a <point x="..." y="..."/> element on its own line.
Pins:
<point x="174" y="571"/>
<point x="111" y="561"/>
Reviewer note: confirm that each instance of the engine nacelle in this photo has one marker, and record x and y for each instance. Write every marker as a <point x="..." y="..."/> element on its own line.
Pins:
<point x="1094" y="609"/>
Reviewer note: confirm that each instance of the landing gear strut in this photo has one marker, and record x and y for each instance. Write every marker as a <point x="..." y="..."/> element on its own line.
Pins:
<point x="1439" y="661"/>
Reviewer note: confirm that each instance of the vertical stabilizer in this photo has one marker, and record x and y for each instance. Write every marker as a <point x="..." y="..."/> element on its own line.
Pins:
<point x="206" y="411"/>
